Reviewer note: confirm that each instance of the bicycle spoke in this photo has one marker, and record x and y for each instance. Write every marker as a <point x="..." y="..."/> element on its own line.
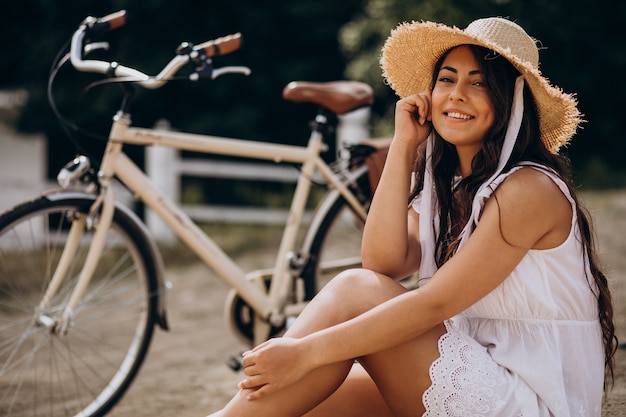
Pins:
<point x="84" y="369"/>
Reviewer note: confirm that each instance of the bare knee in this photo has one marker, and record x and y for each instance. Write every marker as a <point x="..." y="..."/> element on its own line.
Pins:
<point x="350" y="279"/>
<point x="356" y="291"/>
<point x="362" y="288"/>
<point x="349" y="294"/>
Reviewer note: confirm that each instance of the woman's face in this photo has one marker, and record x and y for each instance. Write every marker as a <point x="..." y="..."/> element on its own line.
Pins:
<point x="462" y="111"/>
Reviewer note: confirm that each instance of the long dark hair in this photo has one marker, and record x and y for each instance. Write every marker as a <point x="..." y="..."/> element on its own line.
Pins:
<point x="455" y="202"/>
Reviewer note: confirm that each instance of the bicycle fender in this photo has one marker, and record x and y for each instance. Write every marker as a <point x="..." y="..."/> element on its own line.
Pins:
<point x="159" y="273"/>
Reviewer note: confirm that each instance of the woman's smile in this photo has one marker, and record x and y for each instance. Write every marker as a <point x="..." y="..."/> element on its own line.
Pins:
<point x="458" y="115"/>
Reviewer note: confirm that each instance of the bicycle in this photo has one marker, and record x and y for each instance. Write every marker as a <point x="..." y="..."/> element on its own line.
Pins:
<point x="82" y="282"/>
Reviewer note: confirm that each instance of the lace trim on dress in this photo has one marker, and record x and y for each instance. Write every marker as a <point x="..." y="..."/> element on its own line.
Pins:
<point x="464" y="380"/>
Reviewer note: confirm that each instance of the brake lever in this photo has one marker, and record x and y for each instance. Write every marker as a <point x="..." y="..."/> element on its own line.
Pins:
<point x="207" y="71"/>
<point x="90" y="47"/>
<point x="218" y="72"/>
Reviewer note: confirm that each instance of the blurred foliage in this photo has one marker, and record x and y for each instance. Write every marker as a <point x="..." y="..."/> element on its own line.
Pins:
<point x="283" y="41"/>
<point x="318" y="40"/>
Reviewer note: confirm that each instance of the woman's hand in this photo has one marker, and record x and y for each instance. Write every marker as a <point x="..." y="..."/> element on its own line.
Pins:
<point x="274" y="365"/>
<point x="412" y="119"/>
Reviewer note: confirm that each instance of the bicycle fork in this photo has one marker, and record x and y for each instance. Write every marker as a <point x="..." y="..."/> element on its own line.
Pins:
<point x="99" y="218"/>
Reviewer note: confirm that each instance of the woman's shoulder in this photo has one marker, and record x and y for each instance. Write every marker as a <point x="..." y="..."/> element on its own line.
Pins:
<point x="524" y="177"/>
<point x="534" y="183"/>
<point x="533" y="208"/>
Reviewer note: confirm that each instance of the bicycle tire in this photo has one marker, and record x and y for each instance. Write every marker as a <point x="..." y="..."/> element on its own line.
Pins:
<point x="85" y="371"/>
<point x="332" y="242"/>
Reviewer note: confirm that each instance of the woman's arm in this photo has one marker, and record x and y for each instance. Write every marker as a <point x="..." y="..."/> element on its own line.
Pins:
<point x="391" y="237"/>
<point x="538" y="210"/>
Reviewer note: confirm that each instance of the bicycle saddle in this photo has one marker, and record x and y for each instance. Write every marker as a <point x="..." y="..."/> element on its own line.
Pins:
<point x="337" y="96"/>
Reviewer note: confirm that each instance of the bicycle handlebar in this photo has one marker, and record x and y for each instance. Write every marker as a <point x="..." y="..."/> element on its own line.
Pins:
<point x="186" y="53"/>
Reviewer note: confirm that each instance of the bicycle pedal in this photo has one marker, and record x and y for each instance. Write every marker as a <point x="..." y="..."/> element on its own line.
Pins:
<point x="235" y="362"/>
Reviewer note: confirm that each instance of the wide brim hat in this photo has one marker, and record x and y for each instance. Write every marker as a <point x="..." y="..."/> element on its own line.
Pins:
<point x="412" y="50"/>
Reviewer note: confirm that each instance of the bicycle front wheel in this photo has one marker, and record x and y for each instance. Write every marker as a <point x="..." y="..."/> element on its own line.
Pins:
<point x="85" y="369"/>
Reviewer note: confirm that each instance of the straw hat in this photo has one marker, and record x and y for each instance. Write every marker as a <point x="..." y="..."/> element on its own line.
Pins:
<point x="412" y="50"/>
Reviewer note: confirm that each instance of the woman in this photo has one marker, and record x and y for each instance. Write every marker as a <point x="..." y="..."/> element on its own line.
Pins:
<point x="513" y="315"/>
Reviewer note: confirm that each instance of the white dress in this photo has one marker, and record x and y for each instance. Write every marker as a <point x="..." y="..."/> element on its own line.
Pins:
<point x="531" y="347"/>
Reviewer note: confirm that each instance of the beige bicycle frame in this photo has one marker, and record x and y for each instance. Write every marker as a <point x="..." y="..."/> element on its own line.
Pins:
<point x="270" y="307"/>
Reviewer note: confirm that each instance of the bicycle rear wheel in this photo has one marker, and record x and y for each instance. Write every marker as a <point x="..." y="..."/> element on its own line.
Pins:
<point x="332" y="242"/>
<point x="84" y="371"/>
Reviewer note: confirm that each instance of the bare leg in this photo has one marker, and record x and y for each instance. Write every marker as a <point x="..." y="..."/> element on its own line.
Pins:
<point x="348" y="399"/>
<point x="402" y="368"/>
<point x="357" y="396"/>
<point x="402" y="372"/>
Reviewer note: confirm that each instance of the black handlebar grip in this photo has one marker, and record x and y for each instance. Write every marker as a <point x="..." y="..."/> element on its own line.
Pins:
<point x="221" y="46"/>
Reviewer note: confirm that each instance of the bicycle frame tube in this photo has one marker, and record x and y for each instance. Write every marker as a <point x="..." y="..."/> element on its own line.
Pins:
<point x="189" y="232"/>
<point x="242" y="148"/>
<point x="267" y="306"/>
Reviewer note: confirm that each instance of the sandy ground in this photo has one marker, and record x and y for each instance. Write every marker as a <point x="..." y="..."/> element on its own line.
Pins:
<point x="185" y="373"/>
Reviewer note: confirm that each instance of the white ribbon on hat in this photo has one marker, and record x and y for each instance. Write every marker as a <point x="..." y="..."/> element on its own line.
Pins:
<point x="429" y="210"/>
